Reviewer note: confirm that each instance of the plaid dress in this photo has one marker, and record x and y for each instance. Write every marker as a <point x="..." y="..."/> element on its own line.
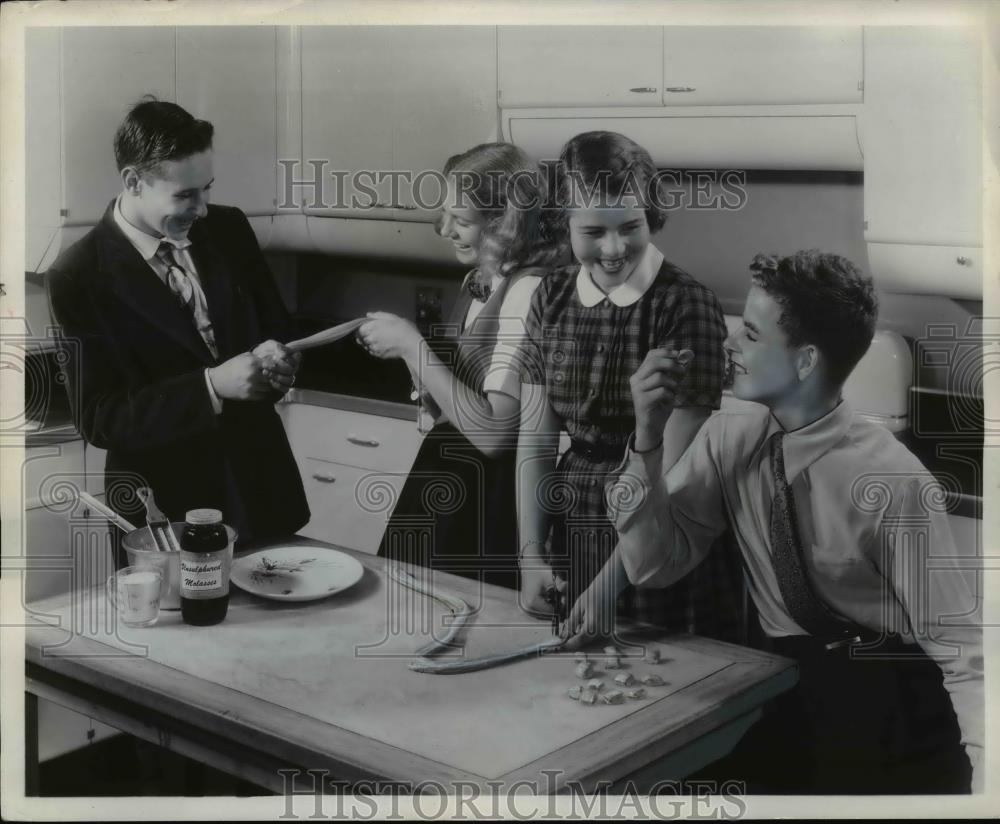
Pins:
<point x="585" y="357"/>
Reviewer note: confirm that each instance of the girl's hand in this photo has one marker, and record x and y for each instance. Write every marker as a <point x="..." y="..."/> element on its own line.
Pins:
<point x="388" y="336"/>
<point x="592" y="617"/>
<point x="654" y="386"/>
<point x="536" y="578"/>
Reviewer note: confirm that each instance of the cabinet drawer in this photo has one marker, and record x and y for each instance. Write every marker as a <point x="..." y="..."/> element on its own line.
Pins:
<point x="350" y="505"/>
<point x="353" y="438"/>
<point x="52" y="472"/>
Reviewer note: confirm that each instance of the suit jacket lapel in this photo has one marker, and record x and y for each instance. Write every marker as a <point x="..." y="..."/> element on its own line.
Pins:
<point x="135" y="283"/>
<point x="217" y="283"/>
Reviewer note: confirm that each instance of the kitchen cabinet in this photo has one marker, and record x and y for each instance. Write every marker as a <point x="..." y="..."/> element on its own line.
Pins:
<point x="42" y="175"/>
<point x="580" y="66"/>
<point x="459" y="64"/>
<point x="227" y="75"/>
<point x="381" y="77"/>
<point x="761" y="65"/>
<point x="347" y="115"/>
<point x="353" y="466"/>
<point x="105" y="70"/>
<point x="922" y="142"/>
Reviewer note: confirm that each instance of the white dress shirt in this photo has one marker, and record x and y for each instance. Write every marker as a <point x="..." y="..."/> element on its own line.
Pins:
<point x="872" y="523"/>
<point x="147" y="245"/>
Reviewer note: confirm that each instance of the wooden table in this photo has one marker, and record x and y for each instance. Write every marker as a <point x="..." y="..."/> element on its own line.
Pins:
<point x="324" y="685"/>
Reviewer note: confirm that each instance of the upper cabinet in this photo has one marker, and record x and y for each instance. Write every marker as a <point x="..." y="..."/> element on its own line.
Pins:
<point x="226" y="74"/>
<point x="379" y="101"/>
<point x="922" y="141"/>
<point x="761" y="65"/>
<point x="347" y="100"/>
<point x="104" y="71"/>
<point x="922" y="135"/>
<point x="580" y="66"/>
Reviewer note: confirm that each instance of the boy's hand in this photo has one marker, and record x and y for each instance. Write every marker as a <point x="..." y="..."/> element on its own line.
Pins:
<point x="654" y="386"/>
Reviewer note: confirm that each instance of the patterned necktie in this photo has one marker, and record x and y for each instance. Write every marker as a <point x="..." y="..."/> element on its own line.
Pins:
<point x="806" y="609"/>
<point x="189" y="293"/>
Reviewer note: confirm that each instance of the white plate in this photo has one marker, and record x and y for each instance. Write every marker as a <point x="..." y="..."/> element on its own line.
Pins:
<point x="296" y="573"/>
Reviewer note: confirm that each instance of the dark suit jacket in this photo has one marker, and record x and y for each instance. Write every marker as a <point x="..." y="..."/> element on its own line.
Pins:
<point x="135" y="374"/>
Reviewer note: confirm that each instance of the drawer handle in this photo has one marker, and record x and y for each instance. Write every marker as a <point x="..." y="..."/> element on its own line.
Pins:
<point x="324" y="477"/>
<point x="962" y="260"/>
<point x="680" y="89"/>
<point x="645" y="90"/>
<point x="404" y="207"/>
<point x="354" y="439"/>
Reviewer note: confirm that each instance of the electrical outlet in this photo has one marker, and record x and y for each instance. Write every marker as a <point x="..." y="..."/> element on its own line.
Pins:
<point x="428" y="308"/>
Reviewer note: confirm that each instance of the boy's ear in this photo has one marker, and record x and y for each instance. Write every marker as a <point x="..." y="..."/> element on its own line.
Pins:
<point x="808" y="360"/>
<point x="130" y="179"/>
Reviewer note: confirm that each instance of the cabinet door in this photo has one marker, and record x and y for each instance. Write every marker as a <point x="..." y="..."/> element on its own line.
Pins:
<point x="459" y="64"/>
<point x="347" y="118"/>
<point x="226" y="74"/>
<point x="43" y="195"/>
<point x="921" y="136"/>
<point x="105" y="70"/>
<point x="761" y="65"/>
<point x="350" y="506"/>
<point x="580" y="66"/>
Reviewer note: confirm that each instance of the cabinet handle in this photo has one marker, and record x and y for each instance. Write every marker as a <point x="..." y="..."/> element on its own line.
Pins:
<point x="383" y="206"/>
<point x="680" y="89"/>
<point x="324" y="478"/>
<point x="962" y="260"/>
<point x="354" y="439"/>
<point x="404" y="207"/>
<point x="645" y="90"/>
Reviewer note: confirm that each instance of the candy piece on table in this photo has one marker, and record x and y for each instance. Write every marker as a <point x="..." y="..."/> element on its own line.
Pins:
<point x="584" y="670"/>
<point x="624" y="679"/>
<point x="581" y="658"/>
<point x="613" y="662"/>
<point x="595" y="684"/>
<point x="652" y="657"/>
<point x="588" y="696"/>
<point x="636" y="693"/>
<point x="651" y="680"/>
<point x="611" y="650"/>
<point x="574" y="693"/>
<point x="613" y="697"/>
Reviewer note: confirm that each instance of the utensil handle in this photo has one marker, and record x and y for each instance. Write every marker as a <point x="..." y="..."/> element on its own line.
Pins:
<point x="107" y="512"/>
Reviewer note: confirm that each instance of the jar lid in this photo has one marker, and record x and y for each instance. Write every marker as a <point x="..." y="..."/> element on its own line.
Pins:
<point x="203" y="516"/>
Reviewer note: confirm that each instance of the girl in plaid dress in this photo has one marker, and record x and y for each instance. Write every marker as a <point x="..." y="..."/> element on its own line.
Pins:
<point x="589" y="328"/>
<point x="456" y="511"/>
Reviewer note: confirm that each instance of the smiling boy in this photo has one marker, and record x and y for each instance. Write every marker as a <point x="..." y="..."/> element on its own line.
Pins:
<point x="176" y="318"/>
<point x="849" y="562"/>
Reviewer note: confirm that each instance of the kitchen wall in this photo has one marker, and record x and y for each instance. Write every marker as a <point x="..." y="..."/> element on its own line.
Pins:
<point x="783" y="212"/>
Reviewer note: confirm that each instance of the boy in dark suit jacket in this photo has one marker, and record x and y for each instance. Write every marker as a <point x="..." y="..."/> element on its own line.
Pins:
<point x="177" y="322"/>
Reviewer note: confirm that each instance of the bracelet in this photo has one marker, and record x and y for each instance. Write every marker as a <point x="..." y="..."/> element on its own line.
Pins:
<point x="520" y="554"/>
<point x="653" y="448"/>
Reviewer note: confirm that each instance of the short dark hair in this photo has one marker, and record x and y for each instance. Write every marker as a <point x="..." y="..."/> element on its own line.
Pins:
<point x="611" y="164"/>
<point x="155" y="131"/>
<point x="826" y="301"/>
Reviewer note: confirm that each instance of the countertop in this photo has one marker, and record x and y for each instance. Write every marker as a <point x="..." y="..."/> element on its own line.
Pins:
<point x="325" y="684"/>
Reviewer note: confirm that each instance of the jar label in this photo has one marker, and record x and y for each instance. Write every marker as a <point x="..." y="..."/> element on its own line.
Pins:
<point x="203" y="576"/>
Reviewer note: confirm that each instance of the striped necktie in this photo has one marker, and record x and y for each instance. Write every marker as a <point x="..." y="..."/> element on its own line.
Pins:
<point x="805" y="607"/>
<point x="189" y="293"/>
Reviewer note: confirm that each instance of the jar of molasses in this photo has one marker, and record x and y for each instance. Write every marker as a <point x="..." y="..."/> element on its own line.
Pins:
<point x="206" y="557"/>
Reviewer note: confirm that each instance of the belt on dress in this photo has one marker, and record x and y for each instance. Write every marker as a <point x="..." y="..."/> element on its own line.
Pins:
<point x="599" y="450"/>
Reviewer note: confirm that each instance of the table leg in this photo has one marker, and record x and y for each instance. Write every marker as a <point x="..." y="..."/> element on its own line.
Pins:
<point x="31" y="767"/>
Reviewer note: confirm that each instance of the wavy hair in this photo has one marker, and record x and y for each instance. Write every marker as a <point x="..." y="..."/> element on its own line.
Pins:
<point x="825" y="300"/>
<point x="508" y="189"/>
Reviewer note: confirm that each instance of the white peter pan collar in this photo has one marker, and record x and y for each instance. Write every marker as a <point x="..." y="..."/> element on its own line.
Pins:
<point x="627" y="293"/>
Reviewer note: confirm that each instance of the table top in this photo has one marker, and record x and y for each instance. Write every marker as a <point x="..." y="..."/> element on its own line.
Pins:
<point x="325" y="684"/>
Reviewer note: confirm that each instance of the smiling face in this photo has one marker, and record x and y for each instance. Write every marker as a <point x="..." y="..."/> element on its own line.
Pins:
<point x="462" y="225"/>
<point x="169" y="202"/>
<point x="765" y="367"/>
<point x="609" y="242"/>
